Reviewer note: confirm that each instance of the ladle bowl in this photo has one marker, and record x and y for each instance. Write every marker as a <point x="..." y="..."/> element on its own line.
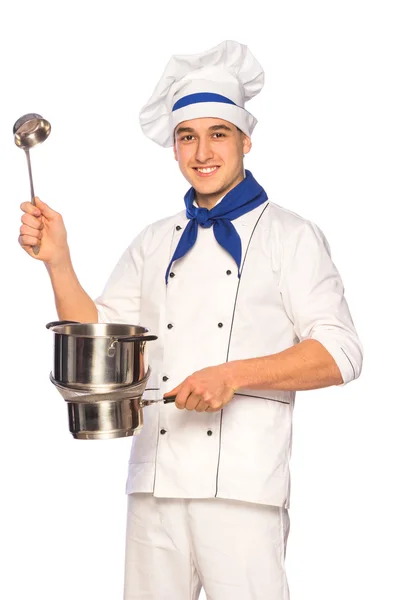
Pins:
<point x="30" y="130"/>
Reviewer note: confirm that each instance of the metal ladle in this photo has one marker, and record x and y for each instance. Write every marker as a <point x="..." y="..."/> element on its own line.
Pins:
<point x="29" y="131"/>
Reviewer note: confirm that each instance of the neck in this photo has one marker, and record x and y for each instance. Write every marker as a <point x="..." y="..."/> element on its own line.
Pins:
<point x="210" y="200"/>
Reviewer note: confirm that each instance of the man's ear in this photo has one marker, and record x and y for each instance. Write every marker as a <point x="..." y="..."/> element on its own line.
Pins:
<point x="175" y="152"/>
<point x="246" y="144"/>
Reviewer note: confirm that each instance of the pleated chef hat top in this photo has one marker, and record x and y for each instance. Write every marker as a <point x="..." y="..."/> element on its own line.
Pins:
<point x="215" y="83"/>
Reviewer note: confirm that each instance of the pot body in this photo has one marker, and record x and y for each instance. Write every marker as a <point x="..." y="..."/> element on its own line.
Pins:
<point x="99" y="357"/>
<point x="104" y="415"/>
<point x="106" y="419"/>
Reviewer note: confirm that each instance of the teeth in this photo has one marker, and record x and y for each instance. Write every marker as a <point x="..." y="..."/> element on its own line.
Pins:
<point x="207" y="170"/>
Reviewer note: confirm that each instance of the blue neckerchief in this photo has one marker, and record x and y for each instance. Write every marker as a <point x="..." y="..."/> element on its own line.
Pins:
<point x="243" y="198"/>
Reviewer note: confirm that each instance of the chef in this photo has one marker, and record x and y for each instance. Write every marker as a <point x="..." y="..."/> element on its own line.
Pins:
<point x="248" y="308"/>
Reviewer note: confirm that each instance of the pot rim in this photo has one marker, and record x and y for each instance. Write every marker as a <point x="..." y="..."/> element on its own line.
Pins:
<point x="135" y="330"/>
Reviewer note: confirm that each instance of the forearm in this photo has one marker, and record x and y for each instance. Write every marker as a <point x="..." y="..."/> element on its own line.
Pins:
<point x="305" y="366"/>
<point x="72" y="302"/>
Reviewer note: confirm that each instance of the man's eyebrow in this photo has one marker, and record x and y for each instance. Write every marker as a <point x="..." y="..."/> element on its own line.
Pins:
<point x="215" y="127"/>
<point x="212" y="128"/>
<point x="184" y="130"/>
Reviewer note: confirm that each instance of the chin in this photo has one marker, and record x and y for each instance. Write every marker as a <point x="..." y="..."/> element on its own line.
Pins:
<point x="208" y="190"/>
<point x="209" y="186"/>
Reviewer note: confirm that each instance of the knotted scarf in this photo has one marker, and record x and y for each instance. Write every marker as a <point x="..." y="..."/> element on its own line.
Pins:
<point x="243" y="198"/>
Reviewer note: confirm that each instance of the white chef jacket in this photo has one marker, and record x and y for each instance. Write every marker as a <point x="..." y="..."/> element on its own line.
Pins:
<point x="289" y="290"/>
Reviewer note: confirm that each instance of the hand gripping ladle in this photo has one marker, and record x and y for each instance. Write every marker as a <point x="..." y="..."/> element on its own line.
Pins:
<point x="29" y="131"/>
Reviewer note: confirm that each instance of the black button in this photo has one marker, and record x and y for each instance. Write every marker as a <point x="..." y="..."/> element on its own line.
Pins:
<point x="163" y="431"/>
<point x="170" y="326"/>
<point x="172" y="274"/>
<point x="178" y="227"/>
<point x="209" y="432"/>
<point x="229" y="272"/>
<point x="220" y="324"/>
<point x="165" y="378"/>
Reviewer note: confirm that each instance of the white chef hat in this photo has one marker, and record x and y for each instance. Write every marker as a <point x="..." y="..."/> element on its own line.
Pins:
<point x="215" y="83"/>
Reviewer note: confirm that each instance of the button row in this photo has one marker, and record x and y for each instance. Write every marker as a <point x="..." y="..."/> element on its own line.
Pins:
<point x="229" y="272"/>
<point x="164" y="431"/>
<point x="170" y="326"/>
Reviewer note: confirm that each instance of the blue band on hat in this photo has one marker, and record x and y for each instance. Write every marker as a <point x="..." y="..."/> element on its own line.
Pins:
<point x="201" y="97"/>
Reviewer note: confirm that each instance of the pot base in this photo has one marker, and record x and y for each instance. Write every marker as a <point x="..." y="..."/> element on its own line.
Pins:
<point x="82" y="435"/>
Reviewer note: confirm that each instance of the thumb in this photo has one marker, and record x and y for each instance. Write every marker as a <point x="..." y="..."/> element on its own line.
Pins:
<point x="45" y="209"/>
<point x="173" y="392"/>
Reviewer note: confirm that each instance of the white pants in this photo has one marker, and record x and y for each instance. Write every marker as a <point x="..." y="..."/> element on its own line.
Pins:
<point x="234" y="550"/>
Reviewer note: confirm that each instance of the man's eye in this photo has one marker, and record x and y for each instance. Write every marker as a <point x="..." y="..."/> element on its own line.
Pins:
<point x="219" y="135"/>
<point x="187" y="138"/>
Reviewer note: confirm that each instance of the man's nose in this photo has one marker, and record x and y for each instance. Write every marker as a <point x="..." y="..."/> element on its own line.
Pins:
<point x="204" y="151"/>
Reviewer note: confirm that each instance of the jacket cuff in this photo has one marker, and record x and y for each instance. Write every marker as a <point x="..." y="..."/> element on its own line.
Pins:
<point x="348" y="360"/>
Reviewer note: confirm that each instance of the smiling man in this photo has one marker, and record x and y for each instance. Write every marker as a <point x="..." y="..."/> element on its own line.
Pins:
<point x="210" y="156"/>
<point x="248" y="308"/>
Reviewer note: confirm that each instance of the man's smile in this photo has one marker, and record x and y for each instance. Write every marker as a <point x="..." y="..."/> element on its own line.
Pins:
<point x="206" y="171"/>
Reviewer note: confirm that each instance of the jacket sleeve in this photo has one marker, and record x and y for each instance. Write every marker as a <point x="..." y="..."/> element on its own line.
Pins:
<point x="313" y="296"/>
<point x="120" y="300"/>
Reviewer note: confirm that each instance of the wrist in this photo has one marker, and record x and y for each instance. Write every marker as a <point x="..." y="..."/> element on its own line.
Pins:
<point x="61" y="264"/>
<point x="231" y="374"/>
<point x="248" y="373"/>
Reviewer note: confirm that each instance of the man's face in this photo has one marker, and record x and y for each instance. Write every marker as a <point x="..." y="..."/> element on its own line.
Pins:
<point x="210" y="155"/>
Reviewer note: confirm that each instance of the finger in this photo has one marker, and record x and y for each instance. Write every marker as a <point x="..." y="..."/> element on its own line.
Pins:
<point x="28" y="240"/>
<point x="193" y="401"/>
<point x="46" y="211"/>
<point x="26" y="230"/>
<point x="32" y="221"/>
<point x="202" y="406"/>
<point x="27" y="249"/>
<point x="173" y="392"/>
<point x="182" y="397"/>
<point x="214" y="408"/>
<point x="30" y="209"/>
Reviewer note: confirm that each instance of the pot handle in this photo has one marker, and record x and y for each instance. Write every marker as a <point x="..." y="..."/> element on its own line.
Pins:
<point x="169" y="399"/>
<point x="54" y="323"/>
<point x="136" y="338"/>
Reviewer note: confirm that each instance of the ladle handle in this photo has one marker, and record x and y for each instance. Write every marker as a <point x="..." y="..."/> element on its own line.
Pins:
<point x="28" y="159"/>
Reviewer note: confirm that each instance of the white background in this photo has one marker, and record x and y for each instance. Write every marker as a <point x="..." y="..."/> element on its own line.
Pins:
<point x="326" y="147"/>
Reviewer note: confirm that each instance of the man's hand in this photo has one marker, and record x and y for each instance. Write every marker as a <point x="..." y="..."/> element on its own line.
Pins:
<point x="44" y="227"/>
<point x="209" y="390"/>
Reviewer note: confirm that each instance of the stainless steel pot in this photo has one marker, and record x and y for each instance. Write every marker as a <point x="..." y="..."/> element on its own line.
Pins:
<point x="106" y="419"/>
<point x="101" y="370"/>
<point x="97" y="357"/>
<point x="107" y="415"/>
